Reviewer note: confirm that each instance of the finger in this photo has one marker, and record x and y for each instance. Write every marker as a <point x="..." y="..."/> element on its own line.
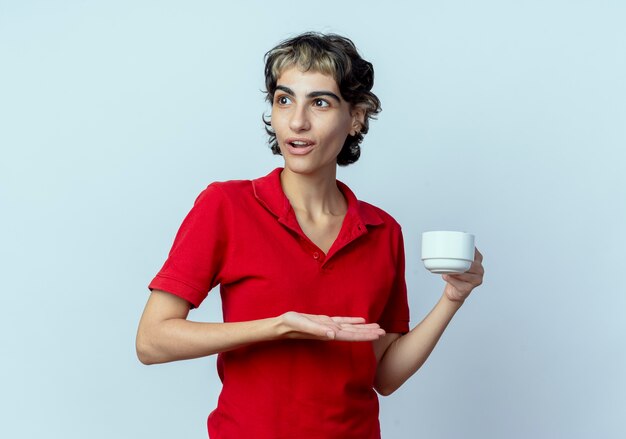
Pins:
<point x="477" y="262"/>
<point x="465" y="281"/>
<point x="350" y="335"/>
<point x="358" y="336"/>
<point x="458" y="284"/>
<point x="348" y="319"/>
<point x="464" y="277"/>
<point x="478" y="255"/>
<point x="475" y="268"/>
<point x="360" y="325"/>
<point x="361" y="328"/>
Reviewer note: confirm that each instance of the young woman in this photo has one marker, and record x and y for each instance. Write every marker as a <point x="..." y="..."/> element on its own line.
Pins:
<point x="312" y="281"/>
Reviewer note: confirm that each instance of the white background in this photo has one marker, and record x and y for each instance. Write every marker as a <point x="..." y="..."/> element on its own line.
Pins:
<point x="501" y="118"/>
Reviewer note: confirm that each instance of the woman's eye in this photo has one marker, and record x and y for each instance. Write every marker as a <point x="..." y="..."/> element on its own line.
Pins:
<point x="283" y="100"/>
<point x="321" y="103"/>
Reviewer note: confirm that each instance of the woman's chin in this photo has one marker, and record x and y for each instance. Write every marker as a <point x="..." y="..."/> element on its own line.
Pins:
<point x="305" y="167"/>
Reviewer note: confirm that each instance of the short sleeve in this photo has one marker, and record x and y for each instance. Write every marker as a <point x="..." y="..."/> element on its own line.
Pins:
<point x="196" y="259"/>
<point x="395" y="317"/>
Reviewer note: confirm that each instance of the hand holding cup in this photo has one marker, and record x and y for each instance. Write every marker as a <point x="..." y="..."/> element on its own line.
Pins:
<point x="453" y="255"/>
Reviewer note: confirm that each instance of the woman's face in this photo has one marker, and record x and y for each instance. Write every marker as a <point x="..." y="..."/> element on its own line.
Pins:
<point x="311" y="120"/>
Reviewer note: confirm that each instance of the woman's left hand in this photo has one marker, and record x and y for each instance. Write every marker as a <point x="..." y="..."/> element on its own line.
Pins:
<point x="459" y="286"/>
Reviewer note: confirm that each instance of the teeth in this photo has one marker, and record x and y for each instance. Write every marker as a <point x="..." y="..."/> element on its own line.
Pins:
<point x="298" y="143"/>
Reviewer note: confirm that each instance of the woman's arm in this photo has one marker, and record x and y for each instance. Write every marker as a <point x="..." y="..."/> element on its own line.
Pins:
<point x="165" y="334"/>
<point x="404" y="355"/>
<point x="399" y="357"/>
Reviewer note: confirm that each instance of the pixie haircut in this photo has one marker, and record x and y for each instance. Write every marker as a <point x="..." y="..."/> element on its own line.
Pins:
<point x="332" y="55"/>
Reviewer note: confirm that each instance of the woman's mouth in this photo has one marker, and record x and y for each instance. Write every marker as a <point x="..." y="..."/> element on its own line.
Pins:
<point x="299" y="146"/>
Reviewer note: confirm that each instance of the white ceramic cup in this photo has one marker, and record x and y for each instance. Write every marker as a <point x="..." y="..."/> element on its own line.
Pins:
<point x="447" y="252"/>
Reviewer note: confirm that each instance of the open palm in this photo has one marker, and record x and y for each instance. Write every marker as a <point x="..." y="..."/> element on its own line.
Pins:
<point x="322" y="327"/>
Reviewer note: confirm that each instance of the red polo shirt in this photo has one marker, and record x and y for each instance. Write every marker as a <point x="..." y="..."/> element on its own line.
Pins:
<point x="244" y="236"/>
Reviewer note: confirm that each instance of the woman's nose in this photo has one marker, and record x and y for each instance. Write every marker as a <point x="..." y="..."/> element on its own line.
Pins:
<point x="299" y="119"/>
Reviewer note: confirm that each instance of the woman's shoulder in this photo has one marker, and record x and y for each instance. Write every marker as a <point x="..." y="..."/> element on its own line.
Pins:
<point x="223" y="191"/>
<point x="375" y="211"/>
<point x="243" y="187"/>
<point x="229" y="186"/>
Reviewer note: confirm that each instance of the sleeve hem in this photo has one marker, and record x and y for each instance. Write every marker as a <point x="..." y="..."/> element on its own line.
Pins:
<point x="397" y="326"/>
<point x="178" y="288"/>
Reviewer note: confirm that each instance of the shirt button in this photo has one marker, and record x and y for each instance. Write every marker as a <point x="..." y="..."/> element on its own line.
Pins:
<point x="316" y="255"/>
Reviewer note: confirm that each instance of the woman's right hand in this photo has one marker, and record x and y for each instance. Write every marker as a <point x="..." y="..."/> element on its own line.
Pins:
<point x="320" y="327"/>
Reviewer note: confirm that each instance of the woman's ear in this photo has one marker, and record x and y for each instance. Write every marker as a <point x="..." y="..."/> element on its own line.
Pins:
<point x="358" y="119"/>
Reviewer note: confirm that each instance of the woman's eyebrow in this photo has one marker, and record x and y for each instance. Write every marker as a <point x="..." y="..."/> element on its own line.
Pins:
<point x="285" y="89"/>
<point x="313" y="94"/>
<point x="330" y="94"/>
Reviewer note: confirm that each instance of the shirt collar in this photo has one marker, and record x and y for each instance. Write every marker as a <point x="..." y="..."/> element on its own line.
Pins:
<point x="269" y="192"/>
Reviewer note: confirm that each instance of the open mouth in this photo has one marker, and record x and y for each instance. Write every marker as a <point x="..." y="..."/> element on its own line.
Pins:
<point x="299" y="144"/>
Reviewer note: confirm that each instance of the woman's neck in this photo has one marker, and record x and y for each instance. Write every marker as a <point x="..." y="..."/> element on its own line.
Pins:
<point x="313" y="194"/>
